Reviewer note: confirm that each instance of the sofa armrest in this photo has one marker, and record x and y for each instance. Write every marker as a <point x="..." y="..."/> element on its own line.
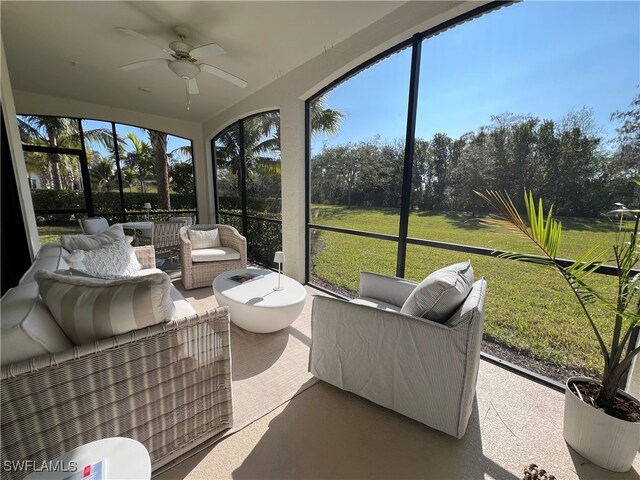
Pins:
<point x="391" y="290"/>
<point x="168" y="386"/>
<point x="146" y="256"/>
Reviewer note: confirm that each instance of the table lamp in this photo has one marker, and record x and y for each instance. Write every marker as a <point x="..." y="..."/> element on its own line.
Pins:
<point x="147" y="207"/>
<point x="279" y="259"/>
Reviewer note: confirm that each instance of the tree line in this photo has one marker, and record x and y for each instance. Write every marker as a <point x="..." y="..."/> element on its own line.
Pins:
<point x="567" y="162"/>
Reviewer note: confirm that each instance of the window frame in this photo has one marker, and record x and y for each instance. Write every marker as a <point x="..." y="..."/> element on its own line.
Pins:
<point x="84" y="166"/>
<point x="402" y="238"/>
<point x="243" y="216"/>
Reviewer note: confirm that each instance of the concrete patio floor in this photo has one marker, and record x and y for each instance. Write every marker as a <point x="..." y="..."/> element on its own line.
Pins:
<point x="326" y="433"/>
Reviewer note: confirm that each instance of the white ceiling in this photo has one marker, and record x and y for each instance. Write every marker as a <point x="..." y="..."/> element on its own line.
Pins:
<point x="73" y="50"/>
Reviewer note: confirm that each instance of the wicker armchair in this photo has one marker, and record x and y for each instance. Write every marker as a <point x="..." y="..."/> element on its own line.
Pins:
<point x="201" y="274"/>
<point x="166" y="238"/>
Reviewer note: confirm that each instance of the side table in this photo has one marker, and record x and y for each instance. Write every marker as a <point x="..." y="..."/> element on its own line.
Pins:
<point x="256" y="305"/>
<point x="123" y="459"/>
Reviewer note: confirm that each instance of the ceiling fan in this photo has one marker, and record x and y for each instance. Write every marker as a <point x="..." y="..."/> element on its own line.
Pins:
<point x="184" y="61"/>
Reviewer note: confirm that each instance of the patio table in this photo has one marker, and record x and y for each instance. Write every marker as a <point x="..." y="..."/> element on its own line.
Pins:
<point x="140" y="229"/>
<point x="255" y="305"/>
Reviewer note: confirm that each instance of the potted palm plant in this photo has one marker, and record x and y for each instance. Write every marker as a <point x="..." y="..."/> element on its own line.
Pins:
<point x="601" y="422"/>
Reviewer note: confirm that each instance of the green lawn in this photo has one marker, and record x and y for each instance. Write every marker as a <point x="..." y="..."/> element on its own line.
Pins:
<point x="50" y="234"/>
<point x="528" y="307"/>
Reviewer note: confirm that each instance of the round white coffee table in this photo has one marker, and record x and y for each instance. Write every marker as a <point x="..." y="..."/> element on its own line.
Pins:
<point x="254" y="304"/>
<point x="122" y="459"/>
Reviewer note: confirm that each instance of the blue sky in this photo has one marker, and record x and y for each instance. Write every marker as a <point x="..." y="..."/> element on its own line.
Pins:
<point x="544" y="58"/>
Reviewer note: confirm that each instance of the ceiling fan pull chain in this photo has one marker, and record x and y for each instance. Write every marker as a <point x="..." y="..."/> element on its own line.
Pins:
<point x="186" y="85"/>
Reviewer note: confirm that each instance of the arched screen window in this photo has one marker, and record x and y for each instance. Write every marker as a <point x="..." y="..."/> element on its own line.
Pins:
<point x="85" y="168"/>
<point x="246" y="159"/>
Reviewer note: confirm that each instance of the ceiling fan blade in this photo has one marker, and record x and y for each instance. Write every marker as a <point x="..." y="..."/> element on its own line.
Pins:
<point x="143" y="63"/>
<point x="208" y="50"/>
<point x="135" y="34"/>
<point x="222" y="74"/>
<point x="192" y="87"/>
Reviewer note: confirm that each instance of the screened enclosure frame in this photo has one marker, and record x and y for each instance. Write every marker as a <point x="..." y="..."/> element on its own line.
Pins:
<point x="244" y="216"/>
<point x="84" y="167"/>
<point x="402" y="239"/>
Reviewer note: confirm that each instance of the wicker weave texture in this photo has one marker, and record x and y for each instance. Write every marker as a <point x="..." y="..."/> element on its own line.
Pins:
<point x="202" y="274"/>
<point x="146" y="256"/>
<point x="167" y="386"/>
<point x="165" y="238"/>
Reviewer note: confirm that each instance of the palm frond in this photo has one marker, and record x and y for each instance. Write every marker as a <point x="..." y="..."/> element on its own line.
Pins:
<point x="527" y="258"/>
<point x="545" y="233"/>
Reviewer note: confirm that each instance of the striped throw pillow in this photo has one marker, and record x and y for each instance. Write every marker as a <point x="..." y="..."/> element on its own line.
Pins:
<point x="439" y="295"/>
<point x="89" y="309"/>
<point x="91" y="242"/>
<point x="204" y="239"/>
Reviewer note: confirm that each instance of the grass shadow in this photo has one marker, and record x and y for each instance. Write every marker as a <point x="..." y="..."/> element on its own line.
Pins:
<point x="460" y="220"/>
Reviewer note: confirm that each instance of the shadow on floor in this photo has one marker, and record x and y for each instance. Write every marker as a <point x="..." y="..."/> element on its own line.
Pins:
<point x="329" y="433"/>
<point x="271" y="348"/>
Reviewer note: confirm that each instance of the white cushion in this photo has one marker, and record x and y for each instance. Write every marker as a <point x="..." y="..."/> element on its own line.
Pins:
<point x="89" y="309"/>
<point x="91" y="242"/>
<point x="94" y="225"/>
<point x="372" y="302"/>
<point x="115" y="260"/>
<point x="214" y="254"/>
<point x="182" y="307"/>
<point x="439" y="295"/>
<point x="54" y="249"/>
<point x="204" y="238"/>
<point x="28" y="329"/>
<point x="50" y="263"/>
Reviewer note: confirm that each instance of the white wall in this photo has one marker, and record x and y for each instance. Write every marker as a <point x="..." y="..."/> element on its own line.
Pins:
<point x="19" y="167"/>
<point x="289" y="92"/>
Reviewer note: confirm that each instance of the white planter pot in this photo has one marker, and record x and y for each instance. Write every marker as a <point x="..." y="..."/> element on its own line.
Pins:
<point x="607" y="441"/>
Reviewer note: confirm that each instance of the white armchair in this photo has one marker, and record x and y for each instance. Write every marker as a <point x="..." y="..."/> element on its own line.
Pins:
<point x="92" y="225"/>
<point x="419" y="368"/>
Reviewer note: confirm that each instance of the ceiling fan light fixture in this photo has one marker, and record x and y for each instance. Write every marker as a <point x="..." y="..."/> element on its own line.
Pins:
<point x="184" y="69"/>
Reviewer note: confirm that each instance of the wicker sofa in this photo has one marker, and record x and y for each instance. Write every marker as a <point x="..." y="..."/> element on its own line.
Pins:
<point x="167" y="386"/>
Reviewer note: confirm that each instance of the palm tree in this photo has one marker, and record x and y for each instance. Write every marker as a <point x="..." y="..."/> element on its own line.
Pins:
<point x="38" y="164"/>
<point x="139" y="159"/>
<point x="59" y="132"/>
<point x="102" y="171"/>
<point x="128" y="176"/>
<point x="262" y="137"/>
<point x="227" y="153"/>
<point x="159" y="150"/>
<point x="324" y="119"/>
